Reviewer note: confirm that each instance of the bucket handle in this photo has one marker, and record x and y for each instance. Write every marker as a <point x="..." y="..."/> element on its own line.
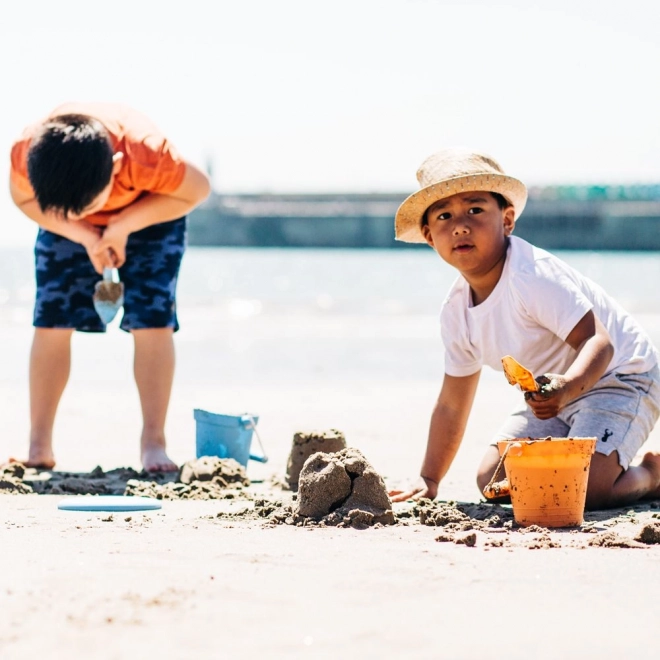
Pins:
<point x="489" y="485"/>
<point x="248" y="422"/>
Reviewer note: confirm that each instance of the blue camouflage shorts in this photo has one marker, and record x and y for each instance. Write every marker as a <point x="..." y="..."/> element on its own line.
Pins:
<point x="66" y="278"/>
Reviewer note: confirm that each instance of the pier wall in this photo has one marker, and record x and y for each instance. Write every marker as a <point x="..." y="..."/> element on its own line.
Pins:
<point x="367" y="221"/>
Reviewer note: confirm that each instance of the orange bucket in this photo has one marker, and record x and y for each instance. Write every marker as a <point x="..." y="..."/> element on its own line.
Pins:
<point x="548" y="479"/>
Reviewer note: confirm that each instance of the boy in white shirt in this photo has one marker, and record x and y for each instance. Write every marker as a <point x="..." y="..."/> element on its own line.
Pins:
<point x="600" y="371"/>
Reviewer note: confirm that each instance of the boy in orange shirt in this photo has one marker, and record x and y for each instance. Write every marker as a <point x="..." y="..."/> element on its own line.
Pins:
<point x="107" y="190"/>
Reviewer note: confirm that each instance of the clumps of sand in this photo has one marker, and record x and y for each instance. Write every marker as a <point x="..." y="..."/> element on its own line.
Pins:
<point x="343" y="489"/>
<point x="462" y="517"/>
<point x="221" y="471"/>
<point x="96" y="482"/>
<point x="543" y="542"/>
<point x="612" y="539"/>
<point x="338" y="489"/>
<point x="468" y="539"/>
<point x="11" y="479"/>
<point x="207" y="478"/>
<point x="649" y="534"/>
<point x="271" y="512"/>
<point x="492" y="526"/>
<point x="307" y="443"/>
<point x="460" y="522"/>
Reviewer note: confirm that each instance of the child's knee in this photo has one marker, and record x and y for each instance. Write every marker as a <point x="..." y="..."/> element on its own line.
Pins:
<point x="487" y="468"/>
<point x="483" y="478"/>
<point x="482" y="481"/>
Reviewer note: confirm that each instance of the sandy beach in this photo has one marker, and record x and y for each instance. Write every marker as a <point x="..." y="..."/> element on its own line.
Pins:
<point x="191" y="581"/>
<point x="310" y="118"/>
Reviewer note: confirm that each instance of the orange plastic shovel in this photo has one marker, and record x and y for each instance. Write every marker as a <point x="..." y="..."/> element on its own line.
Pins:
<point x="516" y="374"/>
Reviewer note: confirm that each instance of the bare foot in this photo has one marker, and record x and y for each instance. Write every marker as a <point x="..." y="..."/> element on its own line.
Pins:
<point x="39" y="458"/>
<point x="651" y="462"/>
<point x="155" y="459"/>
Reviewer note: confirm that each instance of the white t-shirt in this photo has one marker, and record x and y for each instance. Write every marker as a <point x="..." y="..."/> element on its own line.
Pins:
<point x="535" y="305"/>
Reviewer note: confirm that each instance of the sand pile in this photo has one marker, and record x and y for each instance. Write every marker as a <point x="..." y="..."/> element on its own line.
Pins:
<point x="11" y="479"/>
<point x="207" y="478"/>
<point x="96" y="482"/>
<point x="203" y="479"/>
<point x="461" y="517"/>
<point x="307" y="443"/>
<point x="335" y="489"/>
<point x="492" y="526"/>
<point x="342" y="489"/>
<point x="650" y="533"/>
<point x="612" y="539"/>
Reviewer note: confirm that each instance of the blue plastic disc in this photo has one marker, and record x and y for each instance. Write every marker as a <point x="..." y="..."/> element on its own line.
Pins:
<point x="108" y="503"/>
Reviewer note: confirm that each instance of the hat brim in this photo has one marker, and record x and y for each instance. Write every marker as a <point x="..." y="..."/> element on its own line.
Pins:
<point x="408" y="219"/>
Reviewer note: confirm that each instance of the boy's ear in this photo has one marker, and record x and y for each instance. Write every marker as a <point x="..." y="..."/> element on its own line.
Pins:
<point x="116" y="162"/>
<point x="427" y="235"/>
<point x="509" y="220"/>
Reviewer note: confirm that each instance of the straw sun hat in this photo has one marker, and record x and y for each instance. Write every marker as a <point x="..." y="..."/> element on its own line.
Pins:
<point x="447" y="173"/>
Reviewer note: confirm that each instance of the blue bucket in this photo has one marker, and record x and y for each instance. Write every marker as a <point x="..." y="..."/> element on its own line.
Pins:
<point x="226" y="436"/>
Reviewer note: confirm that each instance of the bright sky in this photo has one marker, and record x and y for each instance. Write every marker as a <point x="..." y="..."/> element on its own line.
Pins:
<point x="299" y="95"/>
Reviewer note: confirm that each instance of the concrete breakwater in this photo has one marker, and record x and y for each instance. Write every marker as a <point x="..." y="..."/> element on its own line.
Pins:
<point x="559" y="217"/>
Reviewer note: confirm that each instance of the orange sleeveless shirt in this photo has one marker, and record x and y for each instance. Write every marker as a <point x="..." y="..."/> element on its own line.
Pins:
<point x="150" y="163"/>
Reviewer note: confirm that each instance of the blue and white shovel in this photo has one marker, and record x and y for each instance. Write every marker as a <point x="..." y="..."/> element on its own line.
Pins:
<point x="108" y="295"/>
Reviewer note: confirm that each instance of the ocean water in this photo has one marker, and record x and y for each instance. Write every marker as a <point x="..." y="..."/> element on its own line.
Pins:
<point x="258" y="282"/>
<point x="360" y="314"/>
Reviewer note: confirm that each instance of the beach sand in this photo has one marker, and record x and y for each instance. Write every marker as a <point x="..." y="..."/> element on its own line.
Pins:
<point x="186" y="582"/>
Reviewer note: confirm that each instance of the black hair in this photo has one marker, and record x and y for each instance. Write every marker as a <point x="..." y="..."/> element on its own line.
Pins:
<point x="69" y="163"/>
<point x="501" y="200"/>
<point x="502" y="203"/>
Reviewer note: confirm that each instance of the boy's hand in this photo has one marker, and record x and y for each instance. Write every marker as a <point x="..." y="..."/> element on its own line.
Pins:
<point x="100" y="260"/>
<point x="423" y="488"/>
<point x="551" y="397"/>
<point x="113" y="241"/>
<point x="89" y="237"/>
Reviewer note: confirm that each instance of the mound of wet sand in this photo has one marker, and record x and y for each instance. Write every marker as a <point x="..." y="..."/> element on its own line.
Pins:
<point x="307" y="443"/>
<point x="11" y="479"/>
<point x="650" y="533"/>
<point x="207" y="478"/>
<point x="462" y="517"/>
<point x="203" y="479"/>
<point x="492" y="526"/>
<point x="342" y="488"/>
<point x="614" y="540"/>
<point x="338" y="489"/>
<point x="96" y="482"/>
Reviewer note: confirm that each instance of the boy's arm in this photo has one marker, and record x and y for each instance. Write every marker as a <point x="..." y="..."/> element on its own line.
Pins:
<point x="152" y="209"/>
<point x="80" y="231"/>
<point x="594" y="352"/>
<point x="448" y="422"/>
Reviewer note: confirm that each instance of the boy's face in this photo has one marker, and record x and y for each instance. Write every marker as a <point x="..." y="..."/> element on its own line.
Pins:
<point x="95" y="206"/>
<point x="100" y="200"/>
<point x="469" y="231"/>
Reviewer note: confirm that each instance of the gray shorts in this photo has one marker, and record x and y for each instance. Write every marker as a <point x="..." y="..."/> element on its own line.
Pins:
<point x="620" y="410"/>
